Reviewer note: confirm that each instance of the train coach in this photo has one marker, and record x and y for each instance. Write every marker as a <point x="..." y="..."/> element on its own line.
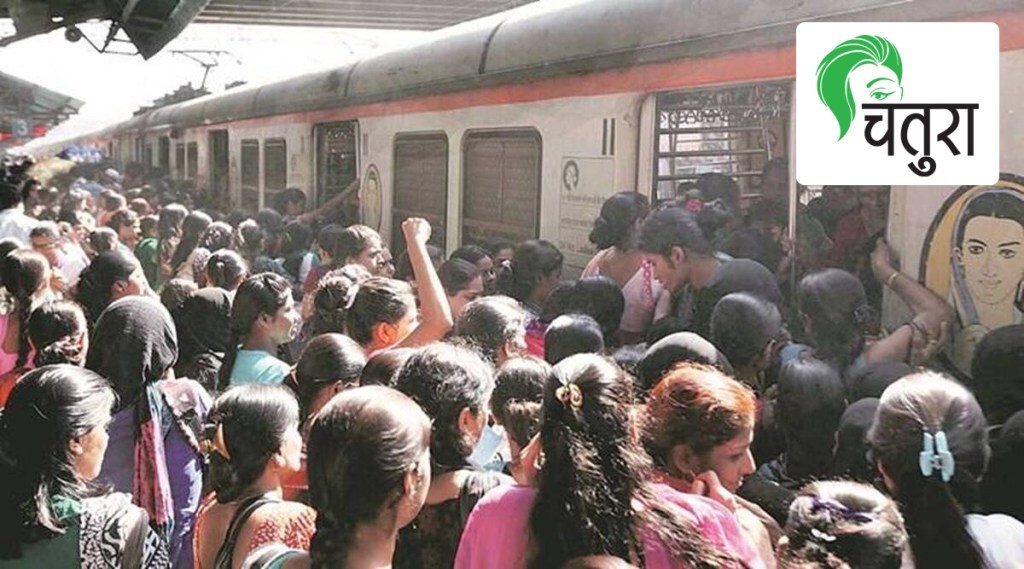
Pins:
<point x="520" y="124"/>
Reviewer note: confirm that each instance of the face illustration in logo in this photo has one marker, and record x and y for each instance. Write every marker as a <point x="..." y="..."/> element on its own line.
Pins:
<point x="865" y="69"/>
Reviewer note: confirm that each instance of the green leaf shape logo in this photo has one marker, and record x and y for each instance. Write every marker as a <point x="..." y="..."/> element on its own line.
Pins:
<point x="882" y="80"/>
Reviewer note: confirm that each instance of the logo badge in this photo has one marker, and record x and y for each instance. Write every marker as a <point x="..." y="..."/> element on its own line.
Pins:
<point x="897" y="103"/>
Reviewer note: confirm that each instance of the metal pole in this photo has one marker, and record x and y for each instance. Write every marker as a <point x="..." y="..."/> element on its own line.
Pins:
<point x="794" y="194"/>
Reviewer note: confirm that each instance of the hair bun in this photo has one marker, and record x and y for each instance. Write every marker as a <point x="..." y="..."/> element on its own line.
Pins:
<point x="603" y="234"/>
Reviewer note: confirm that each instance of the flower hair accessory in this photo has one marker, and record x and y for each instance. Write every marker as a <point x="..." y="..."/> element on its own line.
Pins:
<point x="935" y="456"/>
<point x="350" y="296"/>
<point x="570" y="395"/>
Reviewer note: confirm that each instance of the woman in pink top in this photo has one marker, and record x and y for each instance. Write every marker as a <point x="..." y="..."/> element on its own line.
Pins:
<point x="615" y="233"/>
<point x="593" y="497"/>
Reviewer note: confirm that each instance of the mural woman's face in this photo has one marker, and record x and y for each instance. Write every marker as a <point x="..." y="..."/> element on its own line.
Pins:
<point x="874" y="84"/>
<point x="992" y="255"/>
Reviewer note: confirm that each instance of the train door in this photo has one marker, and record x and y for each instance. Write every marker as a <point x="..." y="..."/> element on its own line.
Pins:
<point x="219" y="156"/>
<point x="336" y="164"/>
<point x="733" y="131"/>
<point x="164" y="154"/>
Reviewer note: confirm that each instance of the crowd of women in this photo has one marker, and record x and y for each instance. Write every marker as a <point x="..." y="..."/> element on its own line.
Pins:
<point x="185" y="389"/>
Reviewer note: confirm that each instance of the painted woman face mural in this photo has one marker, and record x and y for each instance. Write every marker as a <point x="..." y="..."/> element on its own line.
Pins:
<point x="988" y="252"/>
<point x="865" y="69"/>
<point x="975" y="258"/>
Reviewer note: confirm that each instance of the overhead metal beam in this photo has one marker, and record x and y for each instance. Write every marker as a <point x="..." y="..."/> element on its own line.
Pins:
<point x="379" y="14"/>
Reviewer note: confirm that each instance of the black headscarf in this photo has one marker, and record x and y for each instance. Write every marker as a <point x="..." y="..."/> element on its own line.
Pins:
<point x="673" y="349"/>
<point x="204" y="323"/>
<point x="133" y="344"/>
<point x="850" y="459"/>
<point x="204" y="326"/>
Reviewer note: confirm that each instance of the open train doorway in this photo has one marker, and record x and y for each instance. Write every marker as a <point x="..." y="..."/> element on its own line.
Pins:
<point x="219" y="156"/>
<point x="336" y="166"/>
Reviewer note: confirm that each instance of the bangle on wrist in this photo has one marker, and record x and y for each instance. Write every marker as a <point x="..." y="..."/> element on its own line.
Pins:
<point x="891" y="279"/>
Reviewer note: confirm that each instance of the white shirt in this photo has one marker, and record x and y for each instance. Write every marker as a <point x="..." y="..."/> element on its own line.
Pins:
<point x="14" y="223"/>
<point x="74" y="261"/>
<point x="1000" y="539"/>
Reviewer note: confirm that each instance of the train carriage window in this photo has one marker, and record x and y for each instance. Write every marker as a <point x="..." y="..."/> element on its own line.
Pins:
<point x="147" y="157"/>
<point x="421" y="184"/>
<point x="275" y="167"/>
<point x="192" y="159"/>
<point x="250" y="175"/>
<point x="164" y="154"/>
<point x="733" y="131"/>
<point x="501" y="185"/>
<point x="179" y="160"/>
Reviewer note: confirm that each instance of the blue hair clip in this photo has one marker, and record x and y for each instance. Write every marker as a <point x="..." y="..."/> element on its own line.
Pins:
<point x="936" y="456"/>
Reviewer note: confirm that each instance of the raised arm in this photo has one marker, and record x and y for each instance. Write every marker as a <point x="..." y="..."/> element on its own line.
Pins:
<point x="933" y="316"/>
<point x="435" y="313"/>
<point x="334" y="202"/>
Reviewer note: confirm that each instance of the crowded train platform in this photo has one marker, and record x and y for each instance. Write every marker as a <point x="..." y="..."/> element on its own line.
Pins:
<point x="373" y="317"/>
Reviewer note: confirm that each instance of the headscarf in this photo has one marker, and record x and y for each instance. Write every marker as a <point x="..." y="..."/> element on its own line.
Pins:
<point x="850" y="458"/>
<point x="738" y="275"/>
<point x="677" y="348"/>
<point x="204" y="322"/>
<point x="133" y="345"/>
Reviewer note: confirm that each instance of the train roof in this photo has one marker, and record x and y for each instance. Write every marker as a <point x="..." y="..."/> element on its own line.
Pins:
<point x="540" y="40"/>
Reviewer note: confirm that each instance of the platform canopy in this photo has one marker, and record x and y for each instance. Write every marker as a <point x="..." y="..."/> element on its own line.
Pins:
<point x="29" y="111"/>
<point x="146" y="24"/>
<point x="381" y="14"/>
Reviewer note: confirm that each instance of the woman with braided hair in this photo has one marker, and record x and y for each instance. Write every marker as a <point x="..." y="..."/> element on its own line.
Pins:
<point x="59" y="333"/>
<point x="252" y="443"/>
<point x="369" y="472"/>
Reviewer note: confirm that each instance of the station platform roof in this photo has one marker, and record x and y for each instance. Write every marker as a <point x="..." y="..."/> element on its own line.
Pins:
<point x="28" y="110"/>
<point x="380" y="14"/>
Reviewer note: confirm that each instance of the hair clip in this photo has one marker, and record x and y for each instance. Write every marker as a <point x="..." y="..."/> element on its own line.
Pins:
<point x="350" y="296"/>
<point x="570" y="395"/>
<point x="820" y="536"/>
<point x="217" y="444"/>
<point x="935" y="455"/>
<point x="839" y="510"/>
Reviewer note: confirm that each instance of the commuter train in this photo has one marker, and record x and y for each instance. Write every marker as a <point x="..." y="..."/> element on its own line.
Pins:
<point x="521" y="123"/>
